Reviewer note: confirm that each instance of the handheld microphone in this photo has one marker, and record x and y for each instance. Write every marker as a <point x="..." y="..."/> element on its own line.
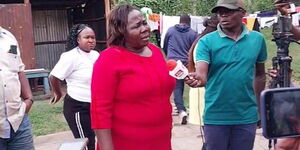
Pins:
<point x="177" y="69"/>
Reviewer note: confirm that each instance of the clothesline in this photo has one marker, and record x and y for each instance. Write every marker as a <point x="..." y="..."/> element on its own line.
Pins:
<point x="197" y="22"/>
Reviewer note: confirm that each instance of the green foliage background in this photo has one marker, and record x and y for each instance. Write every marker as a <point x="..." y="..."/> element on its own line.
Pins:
<point x="195" y="7"/>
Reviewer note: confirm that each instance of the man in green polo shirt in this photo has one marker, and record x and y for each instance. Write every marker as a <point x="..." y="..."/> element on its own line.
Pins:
<point x="230" y="64"/>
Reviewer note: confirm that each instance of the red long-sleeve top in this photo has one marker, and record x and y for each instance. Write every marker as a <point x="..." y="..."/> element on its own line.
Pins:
<point x="131" y="96"/>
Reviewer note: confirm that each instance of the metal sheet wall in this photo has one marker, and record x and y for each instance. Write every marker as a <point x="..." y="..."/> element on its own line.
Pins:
<point x="49" y="26"/>
<point x="17" y="19"/>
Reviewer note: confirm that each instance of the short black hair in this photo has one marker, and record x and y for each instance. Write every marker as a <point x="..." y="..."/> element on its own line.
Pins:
<point x="184" y="18"/>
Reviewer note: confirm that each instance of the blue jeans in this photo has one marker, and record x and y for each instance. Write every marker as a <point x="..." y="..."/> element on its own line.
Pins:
<point x="229" y="137"/>
<point x="20" y="140"/>
<point x="178" y="95"/>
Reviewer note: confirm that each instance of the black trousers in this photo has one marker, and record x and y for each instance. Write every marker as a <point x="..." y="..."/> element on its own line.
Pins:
<point x="78" y="117"/>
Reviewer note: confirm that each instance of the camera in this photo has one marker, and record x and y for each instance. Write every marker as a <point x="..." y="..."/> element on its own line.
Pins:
<point x="284" y="22"/>
<point x="283" y="25"/>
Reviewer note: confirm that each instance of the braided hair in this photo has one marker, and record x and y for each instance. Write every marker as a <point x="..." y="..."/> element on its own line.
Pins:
<point x="73" y="35"/>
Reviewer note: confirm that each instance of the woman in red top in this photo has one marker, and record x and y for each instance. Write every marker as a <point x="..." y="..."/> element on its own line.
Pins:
<point x="131" y="87"/>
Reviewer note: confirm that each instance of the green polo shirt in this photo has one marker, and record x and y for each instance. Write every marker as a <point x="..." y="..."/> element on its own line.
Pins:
<point x="229" y="97"/>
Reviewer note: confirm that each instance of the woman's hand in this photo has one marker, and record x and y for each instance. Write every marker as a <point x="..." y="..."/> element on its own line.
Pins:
<point x="55" y="85"/>
<point x="56" y="98"/>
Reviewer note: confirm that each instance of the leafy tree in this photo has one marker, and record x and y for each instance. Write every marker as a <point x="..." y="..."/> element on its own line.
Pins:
<point x="169" y="7"/>
<point x="203" y="7"/>
<point x="263" y="5"/>
<point x="195" y="7"/>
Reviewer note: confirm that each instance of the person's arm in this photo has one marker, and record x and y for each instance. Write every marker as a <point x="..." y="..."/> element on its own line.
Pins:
<point x="259" y="82"/>
<point x="105" y="81"/>
<point x="296" y="33"/>
<point x="260" y="76"/>
<point x="201" y="72"/>
<point x="25" y="91"/>
<point x="55" y="84"/>
<point x="61" y="71"/>
<point x="104" y="139"/>
<point x="202" y="54"/>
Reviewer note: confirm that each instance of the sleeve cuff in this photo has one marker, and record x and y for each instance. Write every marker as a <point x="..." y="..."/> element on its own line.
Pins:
<point x="261" y="61"/>
<point x="203" y="61"/>
<point x="57" y="76"/>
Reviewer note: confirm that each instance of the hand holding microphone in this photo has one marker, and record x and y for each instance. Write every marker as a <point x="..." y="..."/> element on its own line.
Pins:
<point x="179" y="71"/>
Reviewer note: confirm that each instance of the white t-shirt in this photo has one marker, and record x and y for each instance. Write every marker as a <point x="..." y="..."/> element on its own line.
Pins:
<point x="76" y="67"/>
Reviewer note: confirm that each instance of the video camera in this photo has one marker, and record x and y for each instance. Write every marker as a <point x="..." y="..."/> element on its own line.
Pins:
<point x="284" y="22"/>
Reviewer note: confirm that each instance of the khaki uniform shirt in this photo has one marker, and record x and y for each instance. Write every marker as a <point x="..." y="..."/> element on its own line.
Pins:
<point x="12" y="108"/>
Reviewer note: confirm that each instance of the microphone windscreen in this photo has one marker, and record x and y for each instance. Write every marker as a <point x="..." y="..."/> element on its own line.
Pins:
<point x="171" y="64"/>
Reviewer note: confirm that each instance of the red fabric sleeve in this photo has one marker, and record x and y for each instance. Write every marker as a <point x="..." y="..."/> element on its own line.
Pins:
<point x="103" y="87"/>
